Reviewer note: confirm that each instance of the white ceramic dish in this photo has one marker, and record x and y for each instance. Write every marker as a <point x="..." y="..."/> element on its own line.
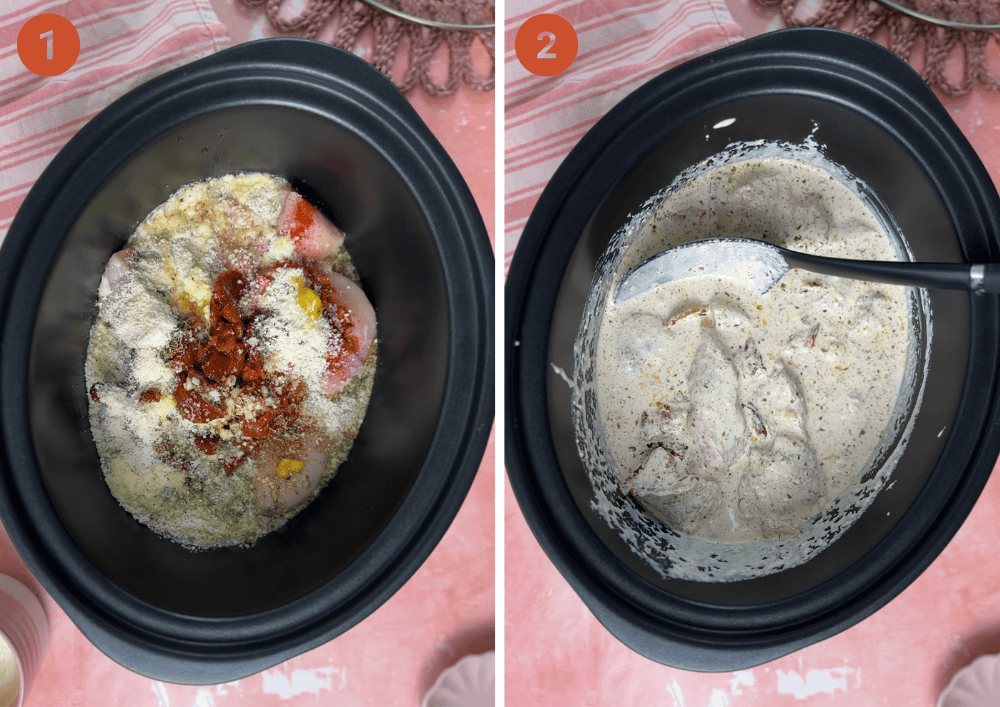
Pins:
<point x="471" y="682"/>
<point x="975" y="685"/>
<point x="24" y="629"/>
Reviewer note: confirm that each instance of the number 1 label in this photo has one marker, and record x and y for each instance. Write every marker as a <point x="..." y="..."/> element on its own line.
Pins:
<point x="47" y="36"/>
<point x="48" y="45"/>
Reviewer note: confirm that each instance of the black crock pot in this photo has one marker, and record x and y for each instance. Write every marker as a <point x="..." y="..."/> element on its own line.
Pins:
<point x="350" y="142"/>
<point x="872" y="114"/>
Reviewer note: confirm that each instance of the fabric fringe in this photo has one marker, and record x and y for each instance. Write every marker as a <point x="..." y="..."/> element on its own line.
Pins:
<point x="391" y="34"/>
<point x="908" y="37"/>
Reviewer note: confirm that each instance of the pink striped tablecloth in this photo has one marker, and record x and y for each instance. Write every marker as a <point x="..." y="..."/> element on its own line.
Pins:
<point x="622" y="44"/>
<point x="122" y="44"/>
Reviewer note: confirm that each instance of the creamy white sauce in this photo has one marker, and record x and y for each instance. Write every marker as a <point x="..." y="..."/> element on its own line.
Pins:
<point x="738" y="417"/>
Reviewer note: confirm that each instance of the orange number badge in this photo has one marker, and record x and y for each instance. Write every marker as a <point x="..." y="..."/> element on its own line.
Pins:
<point x="546" y="45"/>
<point x="48" y="45"/>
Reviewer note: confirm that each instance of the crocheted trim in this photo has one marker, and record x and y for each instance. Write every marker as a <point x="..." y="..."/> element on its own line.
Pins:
<point x="908" y="37"/>
<point x="391" y="34"/>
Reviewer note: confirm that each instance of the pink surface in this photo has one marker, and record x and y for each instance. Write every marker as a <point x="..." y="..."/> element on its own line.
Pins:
<point x="558" y="654"/>
<point x="905" y="654"/>
<point x="445" y="611"/>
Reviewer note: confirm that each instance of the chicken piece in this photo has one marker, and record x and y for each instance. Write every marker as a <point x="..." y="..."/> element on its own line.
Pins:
<point x="735" y="334"/>
<point x="778" y="403"/>
<point x="664" y="486"/>
<point x="116" y="273"/>
<point x="686" y="512"/>
<point x="358" y="319"/>
<point x="661" y="473"/>
<point x="642" y="351"/>
<point x="313" y="234"/>
<point x="781" y="488"/>
<point x="281" y="486"/>
<point x="715" y="419"/>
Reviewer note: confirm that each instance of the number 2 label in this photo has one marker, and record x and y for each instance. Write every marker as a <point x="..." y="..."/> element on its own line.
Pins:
<point x="544" y="53"/>
<point x="536" y="45"/>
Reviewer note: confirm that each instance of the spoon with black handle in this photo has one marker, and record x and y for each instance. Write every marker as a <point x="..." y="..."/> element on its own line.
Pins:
<point x="761" y="266"/>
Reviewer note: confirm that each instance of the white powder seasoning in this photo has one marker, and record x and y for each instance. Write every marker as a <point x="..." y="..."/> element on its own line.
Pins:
<point x="209" y="362"/>
<point x="289" y="339"/>
<point x="293" y="342"/>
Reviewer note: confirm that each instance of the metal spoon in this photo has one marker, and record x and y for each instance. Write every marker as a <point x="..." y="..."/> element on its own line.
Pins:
<point x="761" y="266"/>
<point x="425" y="20"/>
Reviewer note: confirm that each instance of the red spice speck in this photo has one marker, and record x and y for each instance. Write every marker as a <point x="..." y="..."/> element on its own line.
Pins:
<point x="700" y="311"/>
<point x="302" y="219"/>
<point x="231" y="465"/>
<point x="631" y="476"/>
<point x="194" y="407"/>
<point x="259" y="427"/>
<point x="208" y="444"/>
